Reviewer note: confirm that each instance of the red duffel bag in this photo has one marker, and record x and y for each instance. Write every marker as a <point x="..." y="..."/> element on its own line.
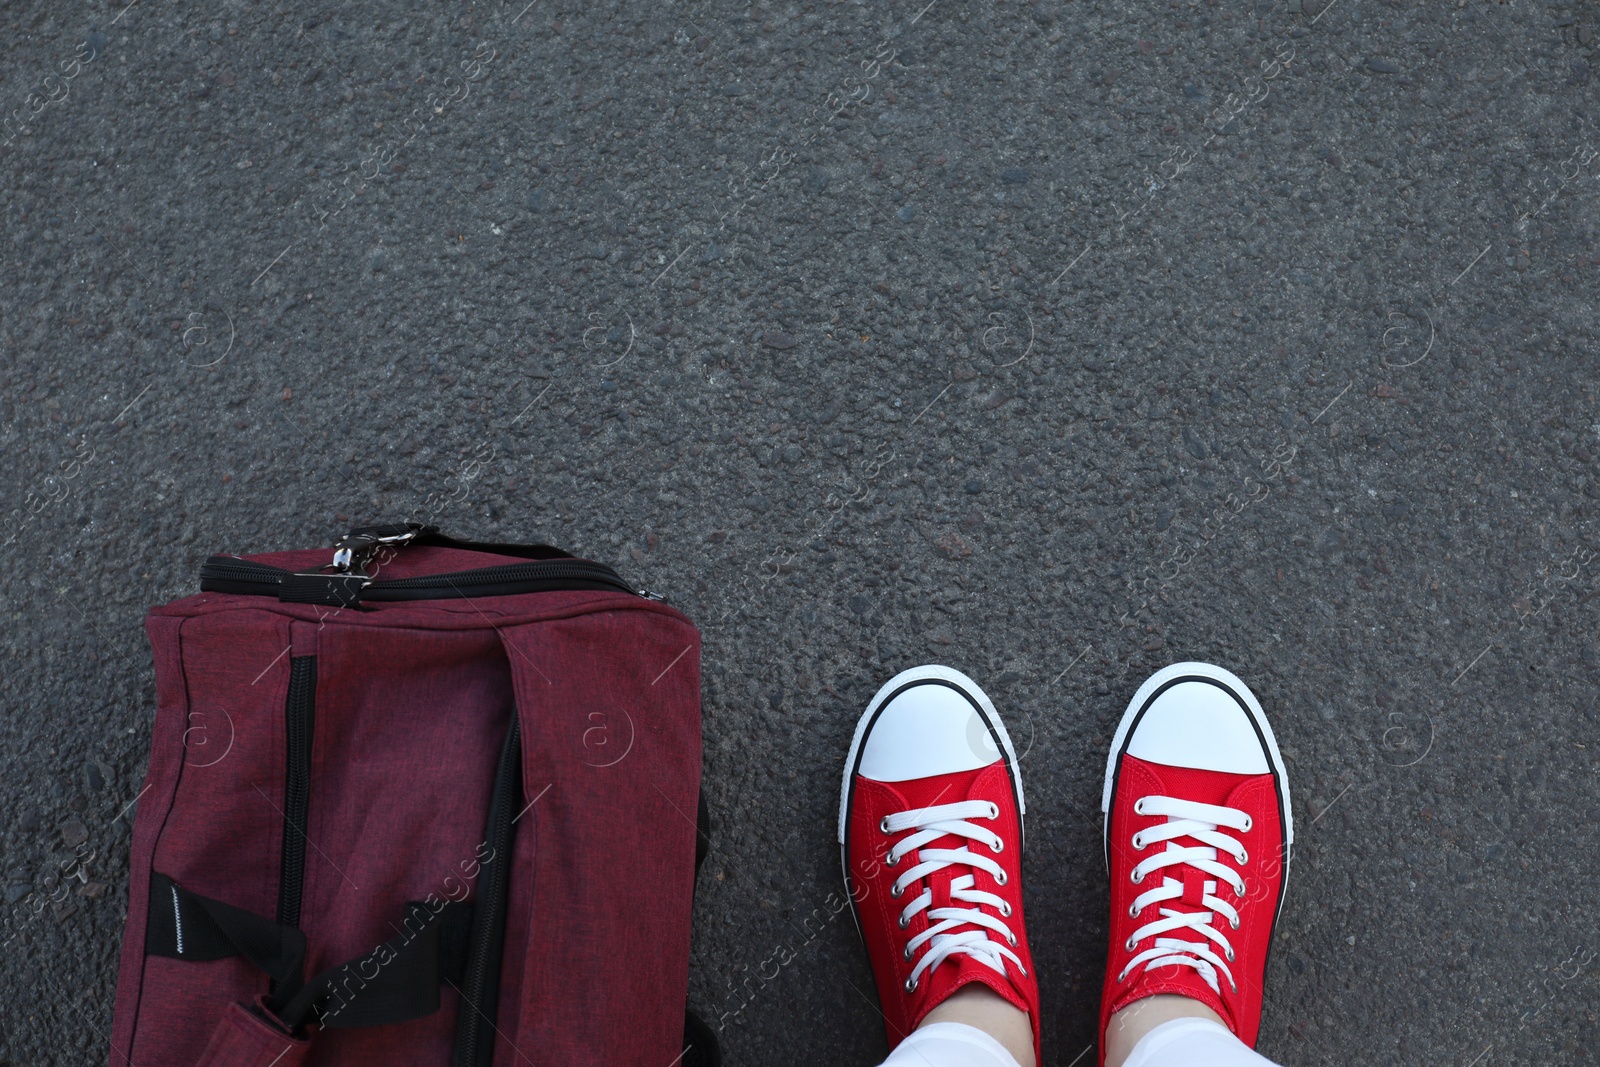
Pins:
<point x="418" y="802"/>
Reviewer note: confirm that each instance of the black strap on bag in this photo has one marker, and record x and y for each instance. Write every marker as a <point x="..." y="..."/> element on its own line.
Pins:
<point x="700" y="1045"/>
<point x="480" y="982"/>
<point x="430" y="537"/>
<point x="187" y="926"/>
<point x="396" y="981"/>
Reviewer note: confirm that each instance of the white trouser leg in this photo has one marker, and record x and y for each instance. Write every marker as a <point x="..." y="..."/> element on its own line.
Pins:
<point x="949" y="1045"/>
<point x="1193" y="1043"/>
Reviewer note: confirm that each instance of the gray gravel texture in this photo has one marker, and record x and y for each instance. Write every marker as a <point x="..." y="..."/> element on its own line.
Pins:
<point x="1054" y="341"/>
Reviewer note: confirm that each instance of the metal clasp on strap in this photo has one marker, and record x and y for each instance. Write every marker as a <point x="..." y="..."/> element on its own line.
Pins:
<point x="353" y="554"/>
<point x="356" y="549"/>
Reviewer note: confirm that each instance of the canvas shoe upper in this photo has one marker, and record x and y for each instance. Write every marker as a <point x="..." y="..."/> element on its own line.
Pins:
<point x="930" y="833"/>
<point x="1198" y="835"/>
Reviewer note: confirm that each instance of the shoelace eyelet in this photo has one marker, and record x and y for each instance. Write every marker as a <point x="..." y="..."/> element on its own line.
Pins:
<point x="911" y="985"/>
<point x="1248" y="822"/>
<point x="1133" y="911"/>
<point x="1000" y="879"/>
<point x="1138" y="842"/>
<point x="1235" y="923"/>
<point x="1005" y="910"/>
<point x="1138" y="806"/>
<point x="1013" y="939"/>
<point x="1130" y="943"/>
<point x="1244" y="857"/>
<point x="895" y="891"/>
<point x="998" y="846"/>
<point x="883" y="824"/>
<point x="907" y="954"/>
<point x="1136" y="877"/>
<point x="891" y="859"/>
<point x="905" y="921"/>
<point x="1230" y="955"/>
<point x="994" y="810"/>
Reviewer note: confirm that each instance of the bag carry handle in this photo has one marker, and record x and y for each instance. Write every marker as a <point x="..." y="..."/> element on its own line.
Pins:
<point x="396" y="981"/>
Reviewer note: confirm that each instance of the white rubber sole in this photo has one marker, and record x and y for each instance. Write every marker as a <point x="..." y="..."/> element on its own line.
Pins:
<point x="929" y="672"/>
<point x="1229" y="681"/>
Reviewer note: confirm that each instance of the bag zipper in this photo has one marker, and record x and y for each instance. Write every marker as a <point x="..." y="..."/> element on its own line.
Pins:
<point x="299" y="722"/>
<point x="483" y="582"/>
<point x="480" y="991"/>
<point x="224" y="574"/>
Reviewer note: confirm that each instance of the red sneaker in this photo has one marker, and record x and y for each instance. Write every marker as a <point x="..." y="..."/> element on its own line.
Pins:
<point x="1194" y="767"/>
<point x="930" y="830"/>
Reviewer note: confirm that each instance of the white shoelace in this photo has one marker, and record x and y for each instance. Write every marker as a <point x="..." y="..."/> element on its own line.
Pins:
<point x="1201" y="822"/>
<point x="932" y="823"/>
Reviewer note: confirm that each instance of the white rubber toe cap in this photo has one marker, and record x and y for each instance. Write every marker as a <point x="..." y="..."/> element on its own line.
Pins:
<point x="1198" y="715"/>
<point x="927" y="729"/>
<point x="923" y="722"/>
<point x="1199" y="724"/>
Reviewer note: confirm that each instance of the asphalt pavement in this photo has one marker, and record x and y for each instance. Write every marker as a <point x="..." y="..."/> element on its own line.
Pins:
<point x="1054" y="341"/>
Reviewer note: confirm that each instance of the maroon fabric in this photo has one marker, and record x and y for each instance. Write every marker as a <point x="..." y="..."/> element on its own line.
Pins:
<point x="245" y="1039"/>
<point x="412" y="702"/>
<point x="595" y="693"/>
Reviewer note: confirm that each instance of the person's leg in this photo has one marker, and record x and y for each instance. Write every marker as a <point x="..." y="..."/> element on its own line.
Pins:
<point x="1193" y="1042"/>
<point x="1173" y="1031"/>
<point x="981" y="1007"/>
<point x="1198" y="833"/>
<point x="973" y="1039"/>
<point x="930" y="832"/>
